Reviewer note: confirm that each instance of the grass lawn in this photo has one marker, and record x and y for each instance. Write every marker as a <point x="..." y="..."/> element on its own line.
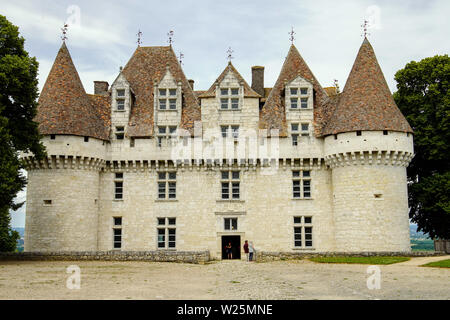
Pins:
<point x="360" y="260"/>
<point x="438" y="264"/>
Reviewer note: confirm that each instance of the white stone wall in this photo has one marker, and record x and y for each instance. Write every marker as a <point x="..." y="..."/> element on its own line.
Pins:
<point x="70" y="222"/>
<point x="265" y="211"/>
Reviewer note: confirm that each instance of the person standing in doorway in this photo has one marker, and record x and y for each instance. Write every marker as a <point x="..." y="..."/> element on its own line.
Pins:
<point x="251" y="250"/>
<point x="246" y="248"/>
<point x="229" y="250"/>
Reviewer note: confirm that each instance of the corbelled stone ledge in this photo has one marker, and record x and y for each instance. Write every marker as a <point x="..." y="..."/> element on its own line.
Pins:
<point x="272" y="256"/>
<point x="157" y="256"/>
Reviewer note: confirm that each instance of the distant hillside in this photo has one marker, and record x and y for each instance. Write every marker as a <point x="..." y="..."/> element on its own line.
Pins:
<point x="419" y="240"/>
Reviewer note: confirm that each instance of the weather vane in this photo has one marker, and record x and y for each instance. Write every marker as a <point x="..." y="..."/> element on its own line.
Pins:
<point x="180" y="57"/>
<point x="336" y="85"/>
<point x="230" y="54"/>
<point x="291" y="38"/>
<point x="365" y="27"/>
<point x="64" y="31"/>
<point x="170" y="35"/>
<point x="139" y="38"/>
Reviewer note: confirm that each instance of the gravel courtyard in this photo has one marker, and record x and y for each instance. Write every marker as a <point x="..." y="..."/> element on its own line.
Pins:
<point x="299" y="279"/>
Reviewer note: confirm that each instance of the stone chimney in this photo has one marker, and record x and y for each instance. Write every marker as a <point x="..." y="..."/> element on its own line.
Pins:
<point x="258" y="79"/>
<point x="191" y="83"/>
<point x="101" y="87"/>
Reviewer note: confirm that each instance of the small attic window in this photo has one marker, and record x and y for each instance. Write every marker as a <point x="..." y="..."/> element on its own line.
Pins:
<point x="121" y="93"/>
<point x="385" y="132"/>
<point x="358" y="133"/>
<point x="52" y="137"/>
<point x="86" y="139"/>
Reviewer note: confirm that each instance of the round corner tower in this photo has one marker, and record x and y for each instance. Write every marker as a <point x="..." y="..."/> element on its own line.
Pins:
<point x="63" y="188"/>
<point x="368" y="145"/>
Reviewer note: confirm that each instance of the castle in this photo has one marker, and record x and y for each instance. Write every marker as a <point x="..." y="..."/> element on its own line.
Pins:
<point x="148" y="163"/>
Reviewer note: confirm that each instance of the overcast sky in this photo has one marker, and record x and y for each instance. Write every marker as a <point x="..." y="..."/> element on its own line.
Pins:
<point x="102" y="35"/>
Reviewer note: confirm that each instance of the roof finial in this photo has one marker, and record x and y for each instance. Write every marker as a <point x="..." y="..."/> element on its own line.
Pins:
<point x="336" y="85"/>
<point x="180" y="57"/>
<point x="170" y="35"/>
<point x="292" y="38"/>
<point x="139" y="38"/>
<point x="64" y="31"/>
<point x="365" y="27"/>
<point x="230" y="54"/>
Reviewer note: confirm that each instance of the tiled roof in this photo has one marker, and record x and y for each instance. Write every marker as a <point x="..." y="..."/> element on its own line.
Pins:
<point x="248" y="91"/>
<point x="273" y="113"/>
<point x="197" y="93"/>
<point x="149" y="65"/>
<point x="65" y="108"/>
<point x="366" y="102"/>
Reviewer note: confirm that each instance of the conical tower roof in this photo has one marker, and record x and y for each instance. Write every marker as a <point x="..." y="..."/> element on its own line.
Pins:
<point x="366" y="102"/>
<point x="64" y="107"/>
<point x="273" y="113"/>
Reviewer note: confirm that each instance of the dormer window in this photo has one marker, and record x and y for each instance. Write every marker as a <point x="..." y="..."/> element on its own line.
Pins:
<point x="229" y="98"/>
<point x="120" y="101"/>
<point x="298" y="98"/>
<point x="167" y="99"/>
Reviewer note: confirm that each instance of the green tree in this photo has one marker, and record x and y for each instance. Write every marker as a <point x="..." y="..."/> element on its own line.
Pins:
<point x="18" y="131"/>
<point x="424" y="98"/>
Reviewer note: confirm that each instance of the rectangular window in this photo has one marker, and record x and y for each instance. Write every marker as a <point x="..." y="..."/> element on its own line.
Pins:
<point x="304" y="103"/>
<point x="162" y="104"/>
<point x="303" y="232"/>
<point x="172" y="104"/>
<point x="166" y="232"/>
<point x="224" y="103"/>
<point x="301" y="184"/>
<point x="120" y="133"/>
<point x="117" y="232"/>
<point x="294" y="133"/>
<point x="164" y="134"/>
<point x="167" y="185"/>
<point x="234" y="103"/>
<point x="228" y="98"/>
<point x="294" y="103"/>
<point x="303" y="91"/>
<point x="294" y="91"/>
<point x="230" y="181"/>
<point x="305" y="129"/>
<point x="118" y="186"/>
<point x="120" y="104"/>
<point x="230" y="131"/>
<point x="230" y="223"/>
<point x="167" y="99"/>
<point x="121" y="93"/>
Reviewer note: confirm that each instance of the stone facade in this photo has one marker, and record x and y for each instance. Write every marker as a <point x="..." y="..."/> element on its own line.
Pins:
<point x="162" y="194"/>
